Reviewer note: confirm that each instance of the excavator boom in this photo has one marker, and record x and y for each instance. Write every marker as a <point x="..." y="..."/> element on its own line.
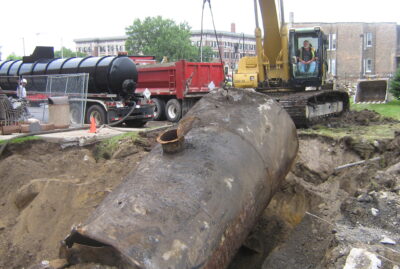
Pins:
<point x="272" y="23"/>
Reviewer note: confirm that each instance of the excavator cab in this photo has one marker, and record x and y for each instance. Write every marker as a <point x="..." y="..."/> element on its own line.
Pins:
<point x="307" y="66"/>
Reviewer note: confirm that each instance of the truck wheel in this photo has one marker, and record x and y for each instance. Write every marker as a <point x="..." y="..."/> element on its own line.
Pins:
<point x="75" y="113"/>
<point x="98" y="113"/>
<point x="173" y="110"/>
<point x="159" y="111"/>
<point x="135" y="123"/>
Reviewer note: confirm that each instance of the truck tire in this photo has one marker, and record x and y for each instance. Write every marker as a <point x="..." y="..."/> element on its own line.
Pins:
<point x="75" y="113"/>
<point x="99" y="114"/>
<point x="135" y="123"/>
<point x="159" y="111"/>
<point x="173" y="110"/>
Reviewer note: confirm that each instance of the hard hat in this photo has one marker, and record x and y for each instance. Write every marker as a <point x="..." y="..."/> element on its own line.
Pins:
<point x="24" y="81"/>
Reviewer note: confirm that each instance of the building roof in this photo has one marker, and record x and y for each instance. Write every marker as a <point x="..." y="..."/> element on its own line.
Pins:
<point x="97" y="39"/>
<point x="225" y="33"/>
<point x="193" y="32"/>
<point x="344" y="22"/>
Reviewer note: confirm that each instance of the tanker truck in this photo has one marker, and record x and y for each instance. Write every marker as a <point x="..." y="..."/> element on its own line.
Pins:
<point x="111" y="85"/>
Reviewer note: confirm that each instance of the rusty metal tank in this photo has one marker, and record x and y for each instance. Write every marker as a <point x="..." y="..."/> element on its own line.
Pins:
<point x="194" y="207"/>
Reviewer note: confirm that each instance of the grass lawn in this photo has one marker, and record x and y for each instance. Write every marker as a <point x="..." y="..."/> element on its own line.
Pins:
<point x="391" y="109"/>
<point x="19" y="140"/>
<point x="107" y="147"/>
<point x="368" y="133"/>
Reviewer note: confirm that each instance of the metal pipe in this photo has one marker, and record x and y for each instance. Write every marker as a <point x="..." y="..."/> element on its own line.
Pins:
<point x="194" y="208"/>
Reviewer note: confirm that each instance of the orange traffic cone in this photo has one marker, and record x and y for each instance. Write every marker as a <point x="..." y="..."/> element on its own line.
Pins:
<point x="93" y="128"/>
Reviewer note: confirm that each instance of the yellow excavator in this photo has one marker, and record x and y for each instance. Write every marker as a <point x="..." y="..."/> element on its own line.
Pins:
<point x="278" y="69"/>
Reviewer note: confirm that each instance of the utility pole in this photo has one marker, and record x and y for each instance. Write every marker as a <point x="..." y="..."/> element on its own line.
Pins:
<point x="23" y="45"/>
<point x="362" y="56"/>
<point x="244" y="52"/>
<point x="62" y="48"/>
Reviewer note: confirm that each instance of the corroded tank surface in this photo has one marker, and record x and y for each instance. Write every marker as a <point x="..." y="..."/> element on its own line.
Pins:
<point x="195" y="207"/>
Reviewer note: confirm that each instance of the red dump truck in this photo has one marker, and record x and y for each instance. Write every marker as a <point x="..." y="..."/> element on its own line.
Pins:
<point x="175" y="87"/>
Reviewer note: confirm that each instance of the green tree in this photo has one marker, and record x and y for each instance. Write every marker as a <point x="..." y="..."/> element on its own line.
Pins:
<point x="160" y="37"/>
<point x="67" y="53"/>
<point x="395" y="85"/>
<point x="13" y="57"/>
<point x="208" y="54"/>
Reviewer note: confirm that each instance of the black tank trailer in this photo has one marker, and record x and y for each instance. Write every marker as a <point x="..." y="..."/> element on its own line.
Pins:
<point x="112" y="79"/>
<point x="194" y="207"/>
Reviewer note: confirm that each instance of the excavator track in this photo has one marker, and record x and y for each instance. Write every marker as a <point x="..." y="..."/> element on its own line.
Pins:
<point x="309" y="107"/>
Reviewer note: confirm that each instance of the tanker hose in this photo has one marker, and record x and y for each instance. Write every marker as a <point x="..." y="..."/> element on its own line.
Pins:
<point x="124" y="118"/>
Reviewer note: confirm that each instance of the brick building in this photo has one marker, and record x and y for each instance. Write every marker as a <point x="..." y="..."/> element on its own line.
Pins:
<point x="398" y="47"/>
<point x="360" y="50"/>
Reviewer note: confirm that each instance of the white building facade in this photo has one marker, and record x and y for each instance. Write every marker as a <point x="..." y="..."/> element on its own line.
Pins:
<point x="101" y="46"/>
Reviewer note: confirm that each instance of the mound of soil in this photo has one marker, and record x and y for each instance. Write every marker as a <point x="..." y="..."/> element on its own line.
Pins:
<point x="353" y="118"/>
<point x="46" y="189"/>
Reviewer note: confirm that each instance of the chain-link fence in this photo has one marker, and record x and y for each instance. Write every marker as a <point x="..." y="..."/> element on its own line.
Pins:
<point x="42" y="100"/>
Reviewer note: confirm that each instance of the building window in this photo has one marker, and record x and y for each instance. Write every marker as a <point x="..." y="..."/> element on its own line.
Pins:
<point x="368" y="65"/>
<point x="332" y="41"/>
<point x="368" y="40"/>
<point x="333" y="67"/>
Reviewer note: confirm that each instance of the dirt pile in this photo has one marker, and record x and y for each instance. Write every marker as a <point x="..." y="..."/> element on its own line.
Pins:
<point x="351" y="118"/>
<point x="46" y="189"/>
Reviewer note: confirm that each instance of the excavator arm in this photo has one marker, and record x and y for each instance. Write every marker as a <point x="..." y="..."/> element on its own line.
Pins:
<point x="270" y="65"/>
<point x="273" y="20"/>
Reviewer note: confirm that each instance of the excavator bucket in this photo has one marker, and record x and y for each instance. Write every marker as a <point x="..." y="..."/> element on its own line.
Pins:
<point x="193" y="203"/>
<point x="372" y="91"/>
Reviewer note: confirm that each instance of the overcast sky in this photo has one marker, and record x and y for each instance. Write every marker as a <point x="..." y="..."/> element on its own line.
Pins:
<point x="54" y="22"/>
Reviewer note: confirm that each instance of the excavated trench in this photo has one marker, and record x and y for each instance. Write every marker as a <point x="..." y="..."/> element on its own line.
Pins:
<point x="289" y="227"/>
<point x="312" y="222"/>
<point x="320" y="214"/>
